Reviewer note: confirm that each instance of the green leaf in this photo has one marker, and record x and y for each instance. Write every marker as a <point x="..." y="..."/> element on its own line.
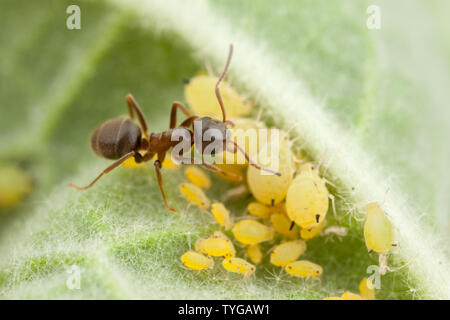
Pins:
<point x="364" y="105"/>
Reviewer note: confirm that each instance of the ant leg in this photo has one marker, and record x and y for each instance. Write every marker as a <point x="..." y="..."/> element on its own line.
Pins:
<point x="173" y="113"/>
<point x="108" y="169"/>
<point x="132" y="105"/>
<point x="249" y="160"/>
<point x="186" y="123"/>
<point x="157" y="164"/>
<point x="213" y="168"/>
<point x="217" y="91"/>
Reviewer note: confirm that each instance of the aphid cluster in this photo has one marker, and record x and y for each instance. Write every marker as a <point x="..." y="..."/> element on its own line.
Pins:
<point x="290" y="204"/>
<point x="271" y="216"/>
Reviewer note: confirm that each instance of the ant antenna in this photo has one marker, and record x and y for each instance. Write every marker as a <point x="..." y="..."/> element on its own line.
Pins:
<point x="219" y="97"/>
<point x="250" y="161"/>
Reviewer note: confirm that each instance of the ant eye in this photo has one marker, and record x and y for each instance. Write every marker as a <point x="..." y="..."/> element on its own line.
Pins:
<point x="252" y="232"/>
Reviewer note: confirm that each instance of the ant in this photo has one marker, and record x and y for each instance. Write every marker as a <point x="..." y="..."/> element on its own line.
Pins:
<point x="121" y="138"/>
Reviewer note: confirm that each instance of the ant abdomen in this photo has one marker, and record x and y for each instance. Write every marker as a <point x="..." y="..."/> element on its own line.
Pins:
<point x="116" y="137"/>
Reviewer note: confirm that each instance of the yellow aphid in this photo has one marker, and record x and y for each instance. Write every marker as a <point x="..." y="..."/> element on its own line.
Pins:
<point x="216" y="246"/>
<point x="252" y="232"/>
<point x="282" y="224"/>
<point x="197" y="177"/>
<point x="348" y="295"/>
<point x="303" y="269"/>
<point x="311" y="232"/>
<point x="200" y="96"/>
<point x="197" y="261"/>
<point x="259" y="210"/>
<point x="238" y="265"/>
<point x="271" y="189"/>
<point x="221" y="215"/>
<point x="254" y="253"/>
<point x="307" y="198"/>
<point x="287" y="252"/>
<point x="14" y="185"/>
<point x="378" y="231"/>
<point x="194" y="195"/>
<point x="332" y="298"/>
<point x="366" y="289"/>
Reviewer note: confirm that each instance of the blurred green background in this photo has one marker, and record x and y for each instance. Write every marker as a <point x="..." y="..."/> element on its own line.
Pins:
<point x="388" y="87"/>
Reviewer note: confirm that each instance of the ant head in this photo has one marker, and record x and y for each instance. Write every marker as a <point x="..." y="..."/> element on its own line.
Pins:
<point x="214" y="131"/>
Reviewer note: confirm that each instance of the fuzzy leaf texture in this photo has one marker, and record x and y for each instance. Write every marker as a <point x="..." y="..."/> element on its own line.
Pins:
<point x="371" y="104"/>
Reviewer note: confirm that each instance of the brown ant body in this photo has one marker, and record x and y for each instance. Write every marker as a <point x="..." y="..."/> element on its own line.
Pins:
<point x="122" y="138"/>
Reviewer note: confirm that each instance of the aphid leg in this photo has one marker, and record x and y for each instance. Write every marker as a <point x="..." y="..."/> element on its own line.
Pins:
<point x="173" y="113"/>
<point x="219" y="97"/>
<point x="333" y="205"/>
<point x="117" y="163"/>
<point x="133" y="106"/>
<point x="249" y="160"/>
<point x="328" y="182"/>
<point x="213" y="168"/>
<point x="157" y="164"/>
<point x="187" y="122"/>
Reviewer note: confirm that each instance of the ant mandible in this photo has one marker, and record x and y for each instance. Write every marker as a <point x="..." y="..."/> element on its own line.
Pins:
<point x="121" y="138"/>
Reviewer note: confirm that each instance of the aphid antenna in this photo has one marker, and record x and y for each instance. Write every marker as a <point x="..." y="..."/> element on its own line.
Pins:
<point x="293" y="141"/>
<point x="352" y="209"/>
<point x="259" y="115"/>
<point x="290" y="128"/>
<point x="269" y="251"/>
<point x="189" y="239"/>
<point x="209" y="68"/>
<point x="385" y="195"/>
<point x="329" y="182"/>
